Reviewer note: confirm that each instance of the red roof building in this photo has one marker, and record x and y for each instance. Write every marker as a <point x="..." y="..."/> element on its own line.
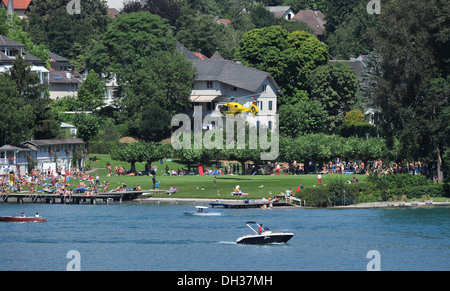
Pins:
<point x="20" y="6"/>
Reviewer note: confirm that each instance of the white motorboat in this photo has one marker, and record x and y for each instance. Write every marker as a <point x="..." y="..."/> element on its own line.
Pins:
<point x="264" y="235"/>
<point x="202" y="211"/>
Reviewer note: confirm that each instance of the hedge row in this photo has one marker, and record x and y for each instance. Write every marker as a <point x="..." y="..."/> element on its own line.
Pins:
<point x="339" y="194"/>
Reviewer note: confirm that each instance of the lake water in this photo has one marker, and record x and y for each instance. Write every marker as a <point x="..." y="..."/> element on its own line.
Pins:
<point x="151" y="236"/>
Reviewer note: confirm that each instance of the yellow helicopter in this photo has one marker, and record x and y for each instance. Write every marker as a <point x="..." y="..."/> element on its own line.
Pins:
<point x="235" y="108"/>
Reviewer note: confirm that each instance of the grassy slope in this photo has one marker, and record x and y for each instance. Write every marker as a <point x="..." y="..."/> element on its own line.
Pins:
<point x="191" y="186"/>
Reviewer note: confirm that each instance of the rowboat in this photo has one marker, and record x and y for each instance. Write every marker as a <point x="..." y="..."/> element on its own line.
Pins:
<point x="21" y="219"/>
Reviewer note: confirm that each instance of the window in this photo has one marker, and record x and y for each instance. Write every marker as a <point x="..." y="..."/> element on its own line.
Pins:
<point x="260" y="105"/>
<point x="209" y="84"/>
<point x="264" y="88"/>
<point x="270" y="105"/>
<point x="270" y="124"/>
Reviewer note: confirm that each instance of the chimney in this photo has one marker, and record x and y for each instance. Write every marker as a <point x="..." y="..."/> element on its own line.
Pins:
<point x="10" y="7"/>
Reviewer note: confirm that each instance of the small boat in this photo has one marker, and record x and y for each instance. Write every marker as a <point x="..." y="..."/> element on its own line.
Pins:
<point x="21" y="219"/>
<point x="201" y="211"/>
<point x="265" y="237"/>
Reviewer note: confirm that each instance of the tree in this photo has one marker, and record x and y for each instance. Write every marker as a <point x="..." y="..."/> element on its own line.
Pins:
<point x="308" y="53"/>
<point x="27" y="82"/>
<point x="17" y="32"/>
<point x="202" y="34"/>
<point x="354" y="117"/>
<point x="35" y="94"/>
<point x="261" y="17"/>
<point x="152" y="90"/>
<point x="4" y="28"/>
<point x="304" y="117"/>
<point x="412" y="44"/>
<point x="314" y="148"/>
<point x="154" y="123"/>
<point x="352" y="36"/>
<point x="168" y="9"/>
<point x="337" y="11"/>
<point x="192" y="154"/>
<point x="130" y="152"/>
<point x="130" y="37"/>
<point x="335" y="86"/>
<point x="16" y="117"/>
<point x="155" y="151"/>
<point x="91" y="93"/>
<point x="139" y="49"/>
<point x="65" y="34"/>
<point x="87" y="125"/>
<point x="298" y="5"/>
<point x="165" y="79"/>
<point x="288" y="57"/>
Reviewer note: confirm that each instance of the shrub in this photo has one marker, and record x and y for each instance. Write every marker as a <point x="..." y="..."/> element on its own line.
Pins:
<point x="433" y="190"/>
<point x="358" y="130"/>
<point x="392" y="181"/>
<point x="354" y="117"/>
<point x="101" y="147"/>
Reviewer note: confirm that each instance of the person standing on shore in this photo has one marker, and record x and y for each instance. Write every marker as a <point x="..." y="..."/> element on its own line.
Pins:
<point x="215" y="182"/>
<point x="319" y="180"/>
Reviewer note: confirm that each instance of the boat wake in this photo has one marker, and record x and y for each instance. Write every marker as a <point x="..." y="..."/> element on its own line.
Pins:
<point x="228" y="242"/>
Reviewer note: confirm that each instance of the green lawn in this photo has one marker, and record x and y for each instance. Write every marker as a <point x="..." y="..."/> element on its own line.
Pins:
<point x="194" y="186"/>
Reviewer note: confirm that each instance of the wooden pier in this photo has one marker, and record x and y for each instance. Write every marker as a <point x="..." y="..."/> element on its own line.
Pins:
<point x="43" y="197"/>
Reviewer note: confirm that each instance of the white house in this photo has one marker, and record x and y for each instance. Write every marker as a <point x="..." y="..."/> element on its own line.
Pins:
<point x="20" y="7"/>
<point x="282" y="11"/>
<point x="219" y="81"/>
<point x="8" y="51"/>
<point x="45" y="153"/>
<point x="63" y="84"/>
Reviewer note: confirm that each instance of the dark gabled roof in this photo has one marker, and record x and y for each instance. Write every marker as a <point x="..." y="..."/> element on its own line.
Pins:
<point x="187" y="53"/>
<point x="314" y="18"/>
<point x="279" y="11"/>
<point x="19" y="148"/>
<point x="216" y="56"/>
<point x="33" y="59"/>
<point x="228" y="72"/>
<point x="7" y="42"/>
<point x="49" y="142"/>
<point x="4" y="58"/>
<point x="231" y="73"/>
<point x="358" y="66"/>
<point x="57" y="58"/>
<point x="60" y="77"/>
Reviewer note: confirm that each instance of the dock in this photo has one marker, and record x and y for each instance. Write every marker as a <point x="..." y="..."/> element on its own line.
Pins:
<point x="51" y="198"/>
<point x="249" y="203"/>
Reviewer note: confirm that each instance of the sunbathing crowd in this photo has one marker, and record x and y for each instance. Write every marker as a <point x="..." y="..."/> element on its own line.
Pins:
<point x="59" y="182"/>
